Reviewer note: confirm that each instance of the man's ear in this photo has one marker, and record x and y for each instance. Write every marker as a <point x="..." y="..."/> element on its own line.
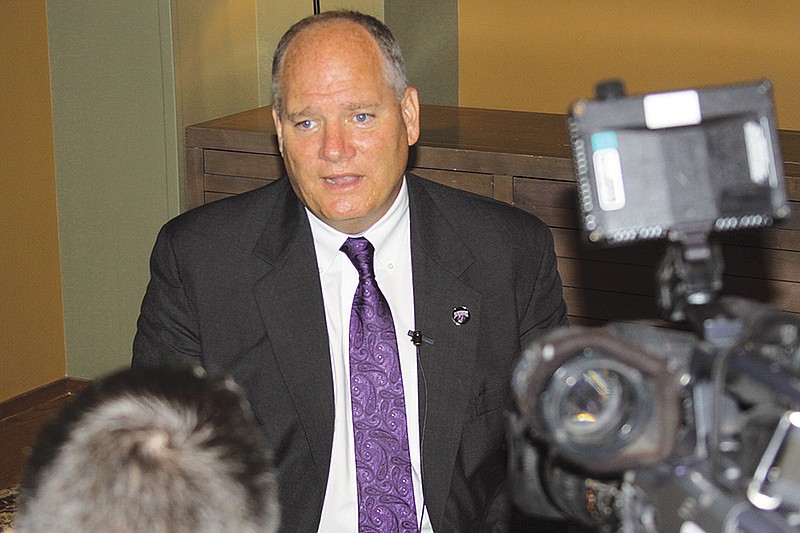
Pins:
<point x="409" y="106"/>
<point x="276" y="119"/>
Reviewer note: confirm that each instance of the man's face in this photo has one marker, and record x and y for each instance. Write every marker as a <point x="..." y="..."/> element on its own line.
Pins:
<point x="343" y="134"/>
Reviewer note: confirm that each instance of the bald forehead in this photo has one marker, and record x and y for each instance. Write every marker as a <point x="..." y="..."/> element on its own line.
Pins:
<point x="327" y="41"/>
<point x="331" y="37"/>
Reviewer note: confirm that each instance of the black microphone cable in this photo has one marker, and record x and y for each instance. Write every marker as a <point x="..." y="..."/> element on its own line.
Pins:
<point x="418" y="338"/>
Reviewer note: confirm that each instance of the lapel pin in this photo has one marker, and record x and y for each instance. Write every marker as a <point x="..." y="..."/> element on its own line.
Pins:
<point x="460" y="315"/>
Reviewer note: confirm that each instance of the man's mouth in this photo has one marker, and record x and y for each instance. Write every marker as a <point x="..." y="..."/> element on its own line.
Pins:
<point x="342" y="180"/>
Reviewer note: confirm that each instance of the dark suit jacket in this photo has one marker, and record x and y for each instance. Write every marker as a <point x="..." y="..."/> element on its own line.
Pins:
<point x="235" y="286"/>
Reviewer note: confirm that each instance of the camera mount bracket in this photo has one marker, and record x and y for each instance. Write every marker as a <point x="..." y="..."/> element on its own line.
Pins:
<point x="689" y="278"/>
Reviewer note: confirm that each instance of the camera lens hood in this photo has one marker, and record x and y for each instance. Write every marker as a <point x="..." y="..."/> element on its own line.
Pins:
<point x="599" y="400"/>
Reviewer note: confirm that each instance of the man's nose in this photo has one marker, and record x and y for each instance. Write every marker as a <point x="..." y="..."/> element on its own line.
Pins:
<point x="336" y="144"/>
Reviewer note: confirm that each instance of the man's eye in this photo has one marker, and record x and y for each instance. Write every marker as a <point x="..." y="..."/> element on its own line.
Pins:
<point x="362" y="117"/>
<point x="304" y="124"/>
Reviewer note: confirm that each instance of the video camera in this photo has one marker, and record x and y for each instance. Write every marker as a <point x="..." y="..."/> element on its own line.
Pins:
<point x="637" y="428"/>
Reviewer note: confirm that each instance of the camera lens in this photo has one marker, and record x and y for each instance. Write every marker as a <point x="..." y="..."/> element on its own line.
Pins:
<point x="593" y="401"/>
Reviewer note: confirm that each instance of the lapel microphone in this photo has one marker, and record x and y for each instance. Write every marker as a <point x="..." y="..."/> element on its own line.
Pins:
<point x="418" y="338"/>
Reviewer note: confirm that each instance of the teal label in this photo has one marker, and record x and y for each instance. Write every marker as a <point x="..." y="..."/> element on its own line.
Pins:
<point x="605" y="140"/>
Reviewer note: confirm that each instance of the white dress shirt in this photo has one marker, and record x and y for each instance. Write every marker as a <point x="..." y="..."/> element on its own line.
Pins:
<point x="391" y="238"/>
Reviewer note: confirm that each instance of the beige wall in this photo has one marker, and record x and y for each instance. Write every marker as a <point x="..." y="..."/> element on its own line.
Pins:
<point x="542" y="55"/>
<point x="115" y="146"/>
<point x="31" y="315"/>
<point x="215" y="57"/>
<point x="427" y="31"/>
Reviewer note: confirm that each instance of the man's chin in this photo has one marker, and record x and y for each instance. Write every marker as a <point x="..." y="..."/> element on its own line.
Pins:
<point x="351" y="223"/>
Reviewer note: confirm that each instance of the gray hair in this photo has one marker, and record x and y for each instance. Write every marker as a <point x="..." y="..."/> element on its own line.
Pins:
<point x="151" y="451"/>
<point x="394" y="66"/>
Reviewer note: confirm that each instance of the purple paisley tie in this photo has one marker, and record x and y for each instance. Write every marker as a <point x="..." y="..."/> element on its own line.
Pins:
<point x="383" y="464"/>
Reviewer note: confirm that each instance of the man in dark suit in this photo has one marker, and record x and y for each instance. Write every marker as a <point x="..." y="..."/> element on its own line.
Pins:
<point x="256" y="286"/>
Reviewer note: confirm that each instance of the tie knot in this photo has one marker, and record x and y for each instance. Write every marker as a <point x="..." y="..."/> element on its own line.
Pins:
<point x="360" y="252"/>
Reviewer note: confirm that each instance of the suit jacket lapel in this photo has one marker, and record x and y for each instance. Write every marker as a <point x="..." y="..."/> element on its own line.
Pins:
<point x="439" y="258"/>
<point x="289" y="297"/>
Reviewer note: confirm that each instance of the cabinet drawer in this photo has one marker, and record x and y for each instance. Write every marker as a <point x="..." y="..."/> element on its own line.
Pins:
<point x="232" y="185"/>
<point x="250" y="165"/>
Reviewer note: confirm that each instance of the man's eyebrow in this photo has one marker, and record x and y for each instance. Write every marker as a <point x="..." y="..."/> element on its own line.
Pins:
<point x="295" y="115"/>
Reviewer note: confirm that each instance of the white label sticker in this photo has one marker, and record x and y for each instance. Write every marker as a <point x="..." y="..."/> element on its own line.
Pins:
<point x="668" y="110"/>
<point x="691" y="527"/>
<point x="757" y="152"/>
<point x="608" y="176"/>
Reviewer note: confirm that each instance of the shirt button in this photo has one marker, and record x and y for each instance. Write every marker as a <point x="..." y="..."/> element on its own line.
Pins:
<point x="391" y="266"/>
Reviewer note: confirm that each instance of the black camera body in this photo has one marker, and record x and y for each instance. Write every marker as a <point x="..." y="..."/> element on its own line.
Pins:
<point x="637" y="428"/>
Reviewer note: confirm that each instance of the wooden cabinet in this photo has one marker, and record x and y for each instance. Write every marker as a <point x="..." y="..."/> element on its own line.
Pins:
<point x="523" y="159"/>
